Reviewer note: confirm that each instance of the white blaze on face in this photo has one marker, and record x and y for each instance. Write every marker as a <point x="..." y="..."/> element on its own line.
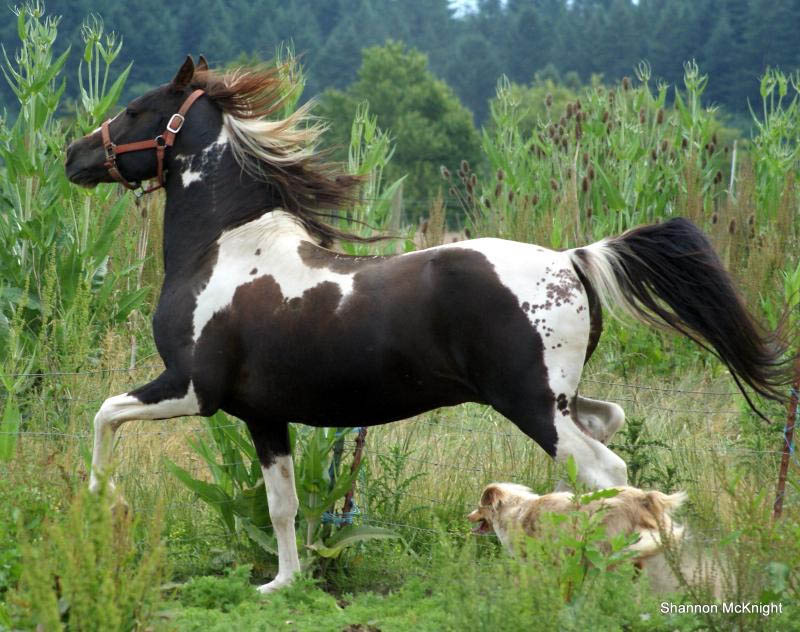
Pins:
<point x="267" y="245"/>
<point x="197" y="166"/>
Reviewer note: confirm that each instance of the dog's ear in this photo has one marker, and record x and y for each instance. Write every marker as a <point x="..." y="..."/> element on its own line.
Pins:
<point x="202" y="64"/>
<point x="660" y="504"/>
<point x="492" y="495"/>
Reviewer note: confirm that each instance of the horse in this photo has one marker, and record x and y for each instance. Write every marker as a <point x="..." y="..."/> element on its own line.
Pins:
<point x="258" y="317"/>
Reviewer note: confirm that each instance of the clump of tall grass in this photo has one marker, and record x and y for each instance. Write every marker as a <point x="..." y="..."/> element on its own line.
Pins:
<point x="93" y="569"/>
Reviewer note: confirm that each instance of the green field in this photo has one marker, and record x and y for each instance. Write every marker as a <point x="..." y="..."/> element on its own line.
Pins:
<point x="79" y="272"/>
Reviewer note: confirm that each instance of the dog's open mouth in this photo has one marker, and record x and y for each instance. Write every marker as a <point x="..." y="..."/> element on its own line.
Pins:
<point x="482" y="527"/>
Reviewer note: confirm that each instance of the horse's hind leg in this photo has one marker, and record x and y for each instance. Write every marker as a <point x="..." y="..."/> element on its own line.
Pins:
<point x="163" y="398"/>
<point x="600" y="419"/>
<point x="547" y="419"/>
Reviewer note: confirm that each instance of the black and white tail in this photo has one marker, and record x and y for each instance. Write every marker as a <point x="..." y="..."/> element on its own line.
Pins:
<point x="668" y="275"/>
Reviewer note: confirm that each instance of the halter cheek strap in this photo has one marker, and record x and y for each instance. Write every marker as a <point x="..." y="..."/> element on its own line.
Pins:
<point x="159" y="144"/>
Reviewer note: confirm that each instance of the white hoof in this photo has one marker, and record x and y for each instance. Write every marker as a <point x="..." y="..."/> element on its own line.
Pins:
<point x="276" y="584"/>
<point x="95" y="485"/>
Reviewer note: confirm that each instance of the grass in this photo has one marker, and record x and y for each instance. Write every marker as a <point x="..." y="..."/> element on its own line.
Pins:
<point x="686" y="427"/>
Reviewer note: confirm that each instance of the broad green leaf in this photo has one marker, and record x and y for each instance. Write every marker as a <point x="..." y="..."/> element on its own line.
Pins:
<point x="112" y="95"/>
<point x="130" y="302"/>
<point x="348" y="536"/>
<point x="269" y="544"/>
<point x="211" y="494"/>
<point x="9" y="427"/>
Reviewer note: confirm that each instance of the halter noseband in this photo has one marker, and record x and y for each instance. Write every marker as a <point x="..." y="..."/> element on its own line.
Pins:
<point x="159" y="143"/>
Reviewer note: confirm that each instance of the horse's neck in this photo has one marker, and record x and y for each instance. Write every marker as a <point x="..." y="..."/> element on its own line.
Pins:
<point x="207" y="199"/>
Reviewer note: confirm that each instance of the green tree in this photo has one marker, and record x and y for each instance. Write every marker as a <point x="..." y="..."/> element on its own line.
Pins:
<point x="429" y="125"/>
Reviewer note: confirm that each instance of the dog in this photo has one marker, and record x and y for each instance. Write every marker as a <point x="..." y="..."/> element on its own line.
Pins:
<point x="511" y="510"/>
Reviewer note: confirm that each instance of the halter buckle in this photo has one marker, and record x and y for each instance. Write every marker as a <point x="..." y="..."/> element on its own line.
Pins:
<point x="175" y="123"/>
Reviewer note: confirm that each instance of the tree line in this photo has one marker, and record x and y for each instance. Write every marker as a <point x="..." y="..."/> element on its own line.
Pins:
<point x="733" y="41"/>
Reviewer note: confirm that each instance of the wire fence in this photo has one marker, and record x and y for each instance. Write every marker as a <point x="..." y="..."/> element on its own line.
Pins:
<point x="505" y="435"/>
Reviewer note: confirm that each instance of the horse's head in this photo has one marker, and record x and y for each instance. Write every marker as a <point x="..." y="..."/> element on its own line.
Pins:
<point x="133" y="146"/>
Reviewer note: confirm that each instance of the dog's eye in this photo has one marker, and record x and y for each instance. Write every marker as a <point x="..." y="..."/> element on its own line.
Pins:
<point x="131" y="112"/>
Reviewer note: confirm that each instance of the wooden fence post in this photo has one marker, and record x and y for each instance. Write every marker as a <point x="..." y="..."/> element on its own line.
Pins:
<point x="348" y="499"/>
<point x="788" y="447"/>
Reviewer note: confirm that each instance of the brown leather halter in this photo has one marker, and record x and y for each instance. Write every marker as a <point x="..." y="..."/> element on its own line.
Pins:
<point x="159" y="143"/>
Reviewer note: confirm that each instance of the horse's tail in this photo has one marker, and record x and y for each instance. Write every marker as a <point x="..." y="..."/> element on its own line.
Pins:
<point x="668" y="276"/>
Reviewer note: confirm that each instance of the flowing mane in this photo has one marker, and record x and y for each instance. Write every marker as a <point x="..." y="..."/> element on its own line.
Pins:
<point x="283" y="151"/>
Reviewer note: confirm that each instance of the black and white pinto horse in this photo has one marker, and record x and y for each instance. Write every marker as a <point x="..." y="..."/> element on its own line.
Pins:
<point x="257" y="318"/>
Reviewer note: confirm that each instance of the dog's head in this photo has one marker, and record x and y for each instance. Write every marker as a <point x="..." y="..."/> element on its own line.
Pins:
<point x="494" y="499"/>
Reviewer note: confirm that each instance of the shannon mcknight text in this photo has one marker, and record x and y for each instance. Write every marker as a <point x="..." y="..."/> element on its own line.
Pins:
<point x="726" y="607"/>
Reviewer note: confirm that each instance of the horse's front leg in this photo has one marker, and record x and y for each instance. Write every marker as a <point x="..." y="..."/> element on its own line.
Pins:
<point x="272" y="445"/>
<point x="165" y="397"/>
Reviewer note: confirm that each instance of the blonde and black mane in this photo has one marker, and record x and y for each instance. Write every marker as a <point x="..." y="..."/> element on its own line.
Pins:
<point x="282" y="151"/>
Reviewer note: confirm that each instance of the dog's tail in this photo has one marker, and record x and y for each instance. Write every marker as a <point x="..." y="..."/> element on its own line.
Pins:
<point x="668" y="276"/>
<point x="656" y="522"/>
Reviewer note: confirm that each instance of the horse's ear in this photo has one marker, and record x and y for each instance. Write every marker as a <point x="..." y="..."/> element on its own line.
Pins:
<point x="202" y="64"/>
<point x="184" y="74"/>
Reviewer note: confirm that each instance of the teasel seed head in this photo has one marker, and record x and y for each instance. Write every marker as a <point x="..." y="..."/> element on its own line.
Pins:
<point x="569" y="110"/>
<point x="498" y="190"/>
<point x="714" y="218"/>
<point x="534" y="199"/>
<point x="473" y="180"/>
<point x="654" y="154"/>
<point x="718" y="177"/>
<point x="487" y="203"/>
<point x="660" y="116"/>
<point x="751" y="221"/>
<point x="585" y="184"/>
<point x="626" y="83"/>
<point x="578" y="130"/>
<point x="664" y="146"/>
<point x="684" y="143"/>
<point x="501" y="175"/>
<point x="605" y="116"/>
<point x="732" y="226"/>
<point x="445" y="173"/>
<point x="577" y="104"/>
<point x="642" y="116"/>
<point x="464" y="166"/>
<point x="588" y="212"/>
<point x="553" y="184"/>
<point x="590" y="172"/>
<point x="511" y="196"/>
<point x="548" y="100"/>
<point x="585" y="158"/>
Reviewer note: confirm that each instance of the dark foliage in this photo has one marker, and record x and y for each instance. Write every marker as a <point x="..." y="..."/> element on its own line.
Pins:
<point x="732" y="40"/>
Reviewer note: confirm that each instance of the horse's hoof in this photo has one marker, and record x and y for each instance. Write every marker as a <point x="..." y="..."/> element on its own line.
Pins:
<point x="275" y="584"/>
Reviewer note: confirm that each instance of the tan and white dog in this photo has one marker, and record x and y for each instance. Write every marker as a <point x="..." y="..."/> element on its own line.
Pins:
<point x="511" y="510"/>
